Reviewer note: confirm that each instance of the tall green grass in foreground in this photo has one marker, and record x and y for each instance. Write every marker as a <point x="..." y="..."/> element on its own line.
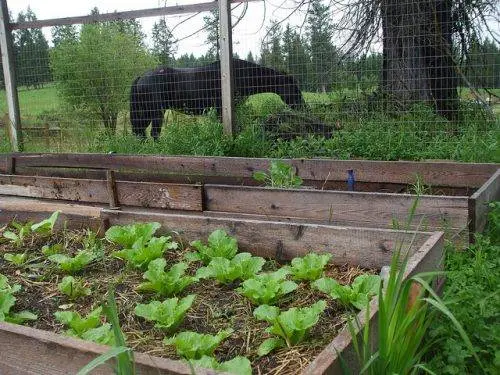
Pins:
<point x="406" y="309"/>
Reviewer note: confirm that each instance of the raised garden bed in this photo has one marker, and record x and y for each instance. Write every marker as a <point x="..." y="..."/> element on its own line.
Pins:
<point x="453" y="198"/>
<point x="27" y="350"/>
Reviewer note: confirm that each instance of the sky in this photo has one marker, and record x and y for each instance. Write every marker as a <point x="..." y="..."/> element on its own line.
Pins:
<point x="247" y="35"/>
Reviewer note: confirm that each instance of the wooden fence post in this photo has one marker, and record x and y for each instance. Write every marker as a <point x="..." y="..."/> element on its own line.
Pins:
<point x="15" y="132"/>
<point x="226" y="65"/>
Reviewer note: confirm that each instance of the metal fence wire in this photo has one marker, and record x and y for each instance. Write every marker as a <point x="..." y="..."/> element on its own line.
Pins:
<point x="301" y="69"/>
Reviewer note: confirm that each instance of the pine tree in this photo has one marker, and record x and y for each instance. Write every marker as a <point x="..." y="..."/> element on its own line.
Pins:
<point x="31" y="51"/>
<point x="212" y="28"/>
<point x="296" y="58"/>
<point x="164" y="45"/>
<point x="64" y="33"/>
<point x="250" y="57"/>
<point x="324" y="56"/>
<point x="271" y="49"/>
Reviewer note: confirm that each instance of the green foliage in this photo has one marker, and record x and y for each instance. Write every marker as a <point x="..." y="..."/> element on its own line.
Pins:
<point x="310" y="267"/>
<point x="46" y="227"/>
<point x="7" y="301"/>
<point x="267" y="288"/>
<point x="238" y="365"/>
<point x="243" y="266"/>
<point x="193" y="345"/>
<point x="48" y="250"/>
<point x="143" y="252"/>
<point x="74" y="264"/>
<point x="358" y="294"/>
<point x="280" y="175"/>
<point x="165" y="283"/>
<point x="88" y="328"/>
<point x="471" y="294"/>
<point x="103" y="91"/>
<point x="168" y="314"/>
<point x="73" y="288"/>
<point x="291" y="327"/>
<point x="127" y="235"/>
<point x="220" y="245"/>
<point x="17" y="259"/>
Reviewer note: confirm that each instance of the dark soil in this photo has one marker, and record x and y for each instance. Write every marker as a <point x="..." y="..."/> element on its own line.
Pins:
<point x="216" y="306"/>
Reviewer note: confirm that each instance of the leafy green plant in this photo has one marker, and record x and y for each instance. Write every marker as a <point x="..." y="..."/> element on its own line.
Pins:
<point x="127" y="235"/>
<point x="168" y="314"/>
<point x="124" y="355"/>
<point x="48" y="250"/>
<point x="165" y="283"/>
<point x="46" y="227"/>
<point x="358" y="294"/>
<point x="238" y="365"/>
<point x="74" y="264"/>
<point x="220" y="245"/>
<point x="7" y="301"/>
<point x="280" y="175"/>
<point x="243" y="266"/>
<point x="193" y="345"/>
<point x="310" y="267"/>
<point x="142" y="252"/>
<point x="17" y="259"/>
<point x="73" y="288"/>
<point x="267" y="288"/>
<point x="88" y="328"/>
<point x="23" y="230"/>
<point x="291" y="327"/>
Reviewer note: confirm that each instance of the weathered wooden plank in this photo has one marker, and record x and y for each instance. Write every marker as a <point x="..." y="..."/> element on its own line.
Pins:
<point x="27" y="209"/>
<point x="339" y="207"/>
<point x="131" y="14"/>
<point x="490" y="191"/>
<point x="427" y="258"/>
<point x="355" y="246"/>
<point x="145" y="194"/>
<point x="398" y="172"/>
<point x="29" y="351"/>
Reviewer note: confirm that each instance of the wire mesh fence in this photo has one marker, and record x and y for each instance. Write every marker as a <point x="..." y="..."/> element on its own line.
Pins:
<point x="374" y="79"/>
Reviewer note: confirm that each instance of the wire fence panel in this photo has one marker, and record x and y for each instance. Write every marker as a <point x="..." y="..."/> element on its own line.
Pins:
<point x="348" y="78"/>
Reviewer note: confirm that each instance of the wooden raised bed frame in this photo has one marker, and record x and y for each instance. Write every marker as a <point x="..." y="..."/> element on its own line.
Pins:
<point x="27" y="350"/>
<point x="224" y="186"/>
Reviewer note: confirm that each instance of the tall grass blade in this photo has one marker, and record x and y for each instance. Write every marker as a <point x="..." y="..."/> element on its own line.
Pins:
<point x="102" y="359"/>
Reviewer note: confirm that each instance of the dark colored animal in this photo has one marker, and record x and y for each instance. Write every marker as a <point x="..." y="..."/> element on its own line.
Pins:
<point x="194" y="90"/>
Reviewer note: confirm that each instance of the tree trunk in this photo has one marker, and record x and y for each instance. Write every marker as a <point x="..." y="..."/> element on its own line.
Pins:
<point x="417" y="55"/>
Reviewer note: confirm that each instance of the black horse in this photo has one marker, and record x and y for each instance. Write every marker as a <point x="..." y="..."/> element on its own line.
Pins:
<point x="193" y="90"/>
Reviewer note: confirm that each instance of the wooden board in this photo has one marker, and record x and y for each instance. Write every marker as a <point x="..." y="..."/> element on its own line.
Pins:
<point x="490" y="191"/>
<point x="340" y="208"/>
<point x="280" y="240"/>
<point x="144" y="194"/>
<point x="29" y="351"/>
<point x="399" y="172"/>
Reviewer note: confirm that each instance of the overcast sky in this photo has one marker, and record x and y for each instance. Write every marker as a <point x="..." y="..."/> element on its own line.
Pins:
<point x="246" y="35"/>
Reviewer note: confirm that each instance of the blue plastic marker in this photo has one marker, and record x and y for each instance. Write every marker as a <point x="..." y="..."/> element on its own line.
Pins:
<point x="350" y="180"/>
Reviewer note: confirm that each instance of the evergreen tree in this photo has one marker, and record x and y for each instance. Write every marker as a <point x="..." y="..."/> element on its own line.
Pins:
<point x="64" y="33"/>
<point x="296" y="58"/>
<point x="324" y="57"/>
<point x="212" y="28"/>
<point x="31" y="51"/>
<point x="164" y="45"/>
<point x="271" y="49"/>
<point x="250" y="57"/>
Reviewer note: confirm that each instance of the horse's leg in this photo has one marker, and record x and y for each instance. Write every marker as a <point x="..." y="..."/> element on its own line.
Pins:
<point x="156" y="124"/>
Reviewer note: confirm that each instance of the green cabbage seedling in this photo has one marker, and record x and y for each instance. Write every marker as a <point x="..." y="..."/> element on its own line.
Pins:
<point x="165" y="283"/>
<point x="309" y="267"/>
<point x="193" y="345"/>
<point x="242" y="267"/>
<point x="219" y="245"/>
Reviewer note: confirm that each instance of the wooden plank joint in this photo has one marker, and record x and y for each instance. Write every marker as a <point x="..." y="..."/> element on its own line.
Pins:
<point x="112" y="193"/>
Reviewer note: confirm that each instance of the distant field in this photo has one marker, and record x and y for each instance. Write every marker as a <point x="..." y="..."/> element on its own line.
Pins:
<point x="34" y="101"/>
